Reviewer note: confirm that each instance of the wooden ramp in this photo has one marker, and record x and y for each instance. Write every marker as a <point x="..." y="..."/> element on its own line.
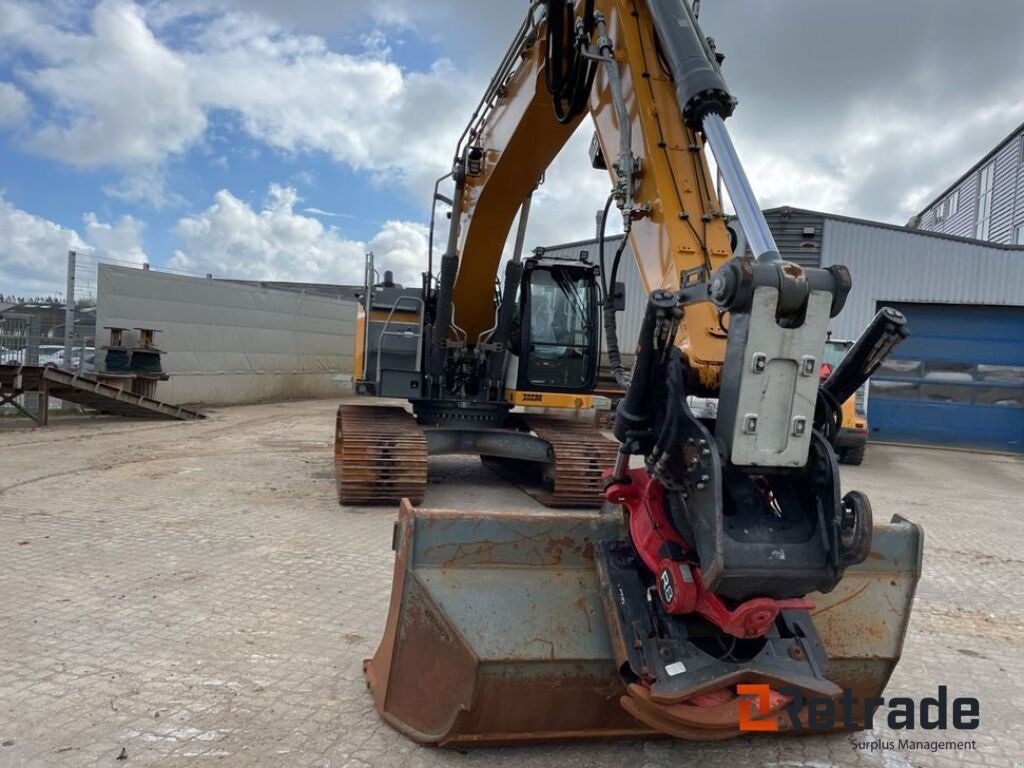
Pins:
<point x="83" y="389"/>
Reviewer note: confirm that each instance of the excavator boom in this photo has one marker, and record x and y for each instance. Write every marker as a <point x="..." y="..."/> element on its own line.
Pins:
<point x="676" y="224"/>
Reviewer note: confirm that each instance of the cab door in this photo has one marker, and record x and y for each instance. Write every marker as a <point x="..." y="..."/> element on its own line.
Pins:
<point x="559" y="314"/>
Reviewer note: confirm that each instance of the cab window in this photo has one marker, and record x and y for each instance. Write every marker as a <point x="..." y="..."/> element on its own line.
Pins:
<point x="561" y="328"/>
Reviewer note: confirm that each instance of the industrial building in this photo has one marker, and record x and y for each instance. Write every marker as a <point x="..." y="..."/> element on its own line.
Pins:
<point x="959" y="379"/>
<point x="986" y="202"/>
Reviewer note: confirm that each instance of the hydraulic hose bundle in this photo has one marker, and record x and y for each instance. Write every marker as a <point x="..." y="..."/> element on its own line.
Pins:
<point x="569" y="74"/>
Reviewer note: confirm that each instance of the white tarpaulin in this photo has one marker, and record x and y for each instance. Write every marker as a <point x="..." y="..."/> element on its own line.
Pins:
<point x="228" y="342"/>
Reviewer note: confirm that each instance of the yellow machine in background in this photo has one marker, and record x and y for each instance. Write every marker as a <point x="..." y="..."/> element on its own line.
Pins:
<point x="852" y="438"/>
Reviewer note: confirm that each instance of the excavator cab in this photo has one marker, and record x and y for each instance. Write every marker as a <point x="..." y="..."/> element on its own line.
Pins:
<point x="558" y="347"/>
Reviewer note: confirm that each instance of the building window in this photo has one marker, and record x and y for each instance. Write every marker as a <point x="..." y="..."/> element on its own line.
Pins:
<point x="984" y="211"/>
<point x="1020" y="155"/>
<point x="948" y="207"/>
<point x="1018" y="236"/>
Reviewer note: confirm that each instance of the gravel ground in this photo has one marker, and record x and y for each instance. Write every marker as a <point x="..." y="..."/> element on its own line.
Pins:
<point x="191" y="594"/>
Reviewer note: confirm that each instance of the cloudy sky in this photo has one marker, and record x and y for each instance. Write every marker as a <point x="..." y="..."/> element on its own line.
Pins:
<point x="263" y="139"/>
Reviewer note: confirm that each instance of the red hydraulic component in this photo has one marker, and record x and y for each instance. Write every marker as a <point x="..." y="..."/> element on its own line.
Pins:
<point x="679" y="582"/>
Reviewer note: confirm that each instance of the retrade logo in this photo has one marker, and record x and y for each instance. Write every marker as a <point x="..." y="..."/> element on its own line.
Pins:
<point x="763" y="705"/>
<point x="823" y="713"/>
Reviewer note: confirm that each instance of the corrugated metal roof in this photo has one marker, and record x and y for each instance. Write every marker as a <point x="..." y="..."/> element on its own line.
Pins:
<point x="894" y="228"/>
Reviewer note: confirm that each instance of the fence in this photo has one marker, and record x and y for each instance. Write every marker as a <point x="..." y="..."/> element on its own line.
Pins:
<point x="62" y="334"/>
<point x="22" y="342"/>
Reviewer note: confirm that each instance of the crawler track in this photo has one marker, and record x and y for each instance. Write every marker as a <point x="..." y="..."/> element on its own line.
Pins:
<point x="380" y="456"/>
<point x="581" y="454"/>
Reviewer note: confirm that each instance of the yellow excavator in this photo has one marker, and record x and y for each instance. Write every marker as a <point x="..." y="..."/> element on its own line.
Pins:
<point x="728" y="584"/>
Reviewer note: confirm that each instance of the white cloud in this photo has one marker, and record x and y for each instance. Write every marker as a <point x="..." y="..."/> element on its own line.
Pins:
<point x="231" y="239"/>
<point x="401" y="246"/>
<point x="122" y="97"/>
<point x="14" y="105"/>
<point x="144" y="184"/>
<point x="784" y="179"/>
<point x="118" y="242"/>
<point x="35" y="27"/>
<point x="883" y="162"/>
<point x="293" y="93"/>
<point x="328" y="214"/>
<point x="33" y="250"/>
<point x="139" y="84"/>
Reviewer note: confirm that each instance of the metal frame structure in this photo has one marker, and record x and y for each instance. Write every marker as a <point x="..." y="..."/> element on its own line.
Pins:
<point x="47" y="381"/>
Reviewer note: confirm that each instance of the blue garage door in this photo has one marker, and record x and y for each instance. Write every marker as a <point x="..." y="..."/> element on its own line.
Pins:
<point x="958" y="380"/>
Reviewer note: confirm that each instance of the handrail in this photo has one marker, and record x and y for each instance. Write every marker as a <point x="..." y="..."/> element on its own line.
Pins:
<point x="367" y="304"/>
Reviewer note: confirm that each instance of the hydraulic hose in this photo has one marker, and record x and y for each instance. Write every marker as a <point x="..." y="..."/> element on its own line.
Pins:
<point x="671" y="425"/>
<point x="611" y="330"/>
<point x="600" y="243"/>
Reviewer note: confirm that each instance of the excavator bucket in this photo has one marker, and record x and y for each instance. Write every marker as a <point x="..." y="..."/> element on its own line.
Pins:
<point x="497" y="634"/>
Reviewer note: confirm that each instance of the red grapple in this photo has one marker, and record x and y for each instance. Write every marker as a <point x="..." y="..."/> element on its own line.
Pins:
<point x="679" y="582"/>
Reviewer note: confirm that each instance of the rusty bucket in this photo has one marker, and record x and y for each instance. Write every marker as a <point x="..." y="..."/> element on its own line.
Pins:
<point x="496" y="630"/>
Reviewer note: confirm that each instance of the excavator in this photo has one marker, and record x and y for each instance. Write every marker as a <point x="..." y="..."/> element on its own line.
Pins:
<point x="727" y="585"/>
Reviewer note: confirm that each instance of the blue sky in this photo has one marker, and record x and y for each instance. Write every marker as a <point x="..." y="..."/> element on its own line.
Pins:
<point x="260" y="139"/>
<point x="119" y="121"/>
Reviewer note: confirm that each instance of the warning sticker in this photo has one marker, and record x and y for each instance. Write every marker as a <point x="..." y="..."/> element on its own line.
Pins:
<point x="675" y="668"/>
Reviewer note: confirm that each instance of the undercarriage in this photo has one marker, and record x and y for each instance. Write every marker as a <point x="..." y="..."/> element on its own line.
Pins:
<point x="381" y="454"/>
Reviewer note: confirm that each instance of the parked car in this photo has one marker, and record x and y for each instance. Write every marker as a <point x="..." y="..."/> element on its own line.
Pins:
<point x="51" y="354"/>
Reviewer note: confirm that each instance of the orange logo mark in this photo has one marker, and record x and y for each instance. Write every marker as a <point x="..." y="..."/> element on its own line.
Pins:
<point x="747" y="713"/>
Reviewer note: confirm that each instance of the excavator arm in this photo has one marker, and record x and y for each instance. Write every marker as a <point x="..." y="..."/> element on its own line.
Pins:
<point x="722" y="542"/>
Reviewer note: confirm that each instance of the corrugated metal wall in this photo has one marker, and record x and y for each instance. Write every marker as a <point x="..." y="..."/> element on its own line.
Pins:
<point x="960" y="223"/>
<point x="1007" y="198"/>
<point x="798" y="234"/>
<point x="892" y="265"/>
<point x="229" y="343"/>
<point x="1006" y="193"/>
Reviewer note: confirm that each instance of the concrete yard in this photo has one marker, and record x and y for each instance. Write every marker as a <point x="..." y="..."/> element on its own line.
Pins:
<point x="192" y="594"/>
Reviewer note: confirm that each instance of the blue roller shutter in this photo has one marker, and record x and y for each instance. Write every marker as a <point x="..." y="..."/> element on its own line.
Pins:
<point x="957" y="381"/>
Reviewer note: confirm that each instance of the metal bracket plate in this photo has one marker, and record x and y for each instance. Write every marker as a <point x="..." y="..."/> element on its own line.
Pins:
<point x="770" y="382"/>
